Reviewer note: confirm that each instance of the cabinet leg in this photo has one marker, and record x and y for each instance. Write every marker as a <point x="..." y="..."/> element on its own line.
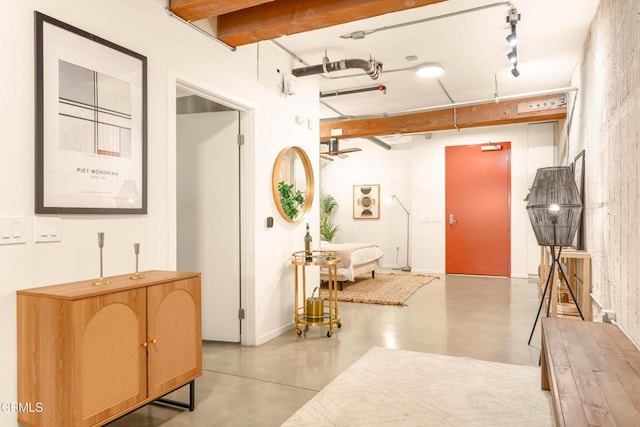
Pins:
<point x="192" y="399"/>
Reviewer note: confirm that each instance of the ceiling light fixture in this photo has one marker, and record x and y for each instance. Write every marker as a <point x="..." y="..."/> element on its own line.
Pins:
<point x="515" y="71"/>
<point x="511" y="38"/>
<point x="430" y="70"/>
<point x="513" y="57"/>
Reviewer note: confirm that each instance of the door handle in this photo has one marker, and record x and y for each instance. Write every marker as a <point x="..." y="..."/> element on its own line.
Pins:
<point x="452" y="220"/>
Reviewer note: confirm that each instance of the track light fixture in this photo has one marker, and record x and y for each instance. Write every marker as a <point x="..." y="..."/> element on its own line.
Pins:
<point x="513" y="19"/>
<point x="513" y="16"/>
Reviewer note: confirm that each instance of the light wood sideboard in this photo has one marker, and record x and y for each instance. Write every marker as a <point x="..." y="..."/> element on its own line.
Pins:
<point x="90" y="354"/>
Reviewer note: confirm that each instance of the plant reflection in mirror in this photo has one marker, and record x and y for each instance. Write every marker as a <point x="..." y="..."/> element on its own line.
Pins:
<point x="291" y="199"/>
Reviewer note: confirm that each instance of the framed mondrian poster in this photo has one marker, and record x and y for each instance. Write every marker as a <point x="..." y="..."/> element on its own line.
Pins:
<point x="91" y="119"/>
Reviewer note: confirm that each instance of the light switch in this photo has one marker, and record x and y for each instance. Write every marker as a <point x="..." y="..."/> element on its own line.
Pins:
<point x="5" y="228"/>
<point x="48" y="229"/>
<point x="12" y="230"/>
<point x="17" y="228"/>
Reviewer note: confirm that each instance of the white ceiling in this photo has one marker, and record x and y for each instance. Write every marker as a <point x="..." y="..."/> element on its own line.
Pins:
<point x="471" y="47"/>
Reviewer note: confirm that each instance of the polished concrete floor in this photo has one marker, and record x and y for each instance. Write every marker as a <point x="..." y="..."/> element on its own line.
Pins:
<point x="478" y="317"/>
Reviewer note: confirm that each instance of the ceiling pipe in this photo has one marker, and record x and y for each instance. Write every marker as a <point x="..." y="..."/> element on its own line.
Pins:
<point x="339" y="113"/>
<point x="371" y="67"/>
<point x="497" y="99"/>
<point x="358" y="35"/>
<point x="379" y="142"/>
<point x="339" y="92"/>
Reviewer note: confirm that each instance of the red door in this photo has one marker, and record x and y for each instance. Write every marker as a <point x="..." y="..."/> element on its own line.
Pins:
<point x="478" y="208"/>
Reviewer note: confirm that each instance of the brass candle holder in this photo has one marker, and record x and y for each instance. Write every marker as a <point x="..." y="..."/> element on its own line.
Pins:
<point x="136" y="250"/>
<point x="101" y="281"/>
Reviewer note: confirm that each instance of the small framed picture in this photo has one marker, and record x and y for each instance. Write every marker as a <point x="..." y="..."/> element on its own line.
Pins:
<point x="91" y="119"/>
<point x="366" y="201"/>
<point x="578" y="173"/>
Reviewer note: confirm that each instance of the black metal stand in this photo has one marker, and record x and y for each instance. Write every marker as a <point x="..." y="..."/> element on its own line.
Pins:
<point x="190" y="406"/>
<point x="192" y="399"/>
<point x="554" y="263"/>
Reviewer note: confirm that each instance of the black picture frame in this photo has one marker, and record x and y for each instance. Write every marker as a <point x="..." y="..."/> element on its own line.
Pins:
<point x="578" y="174"/>
<point x="90" y="123"/>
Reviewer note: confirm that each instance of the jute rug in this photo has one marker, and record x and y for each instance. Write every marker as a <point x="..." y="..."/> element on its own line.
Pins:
<point x="405" y="388"/>
<point x="389" y="289"/>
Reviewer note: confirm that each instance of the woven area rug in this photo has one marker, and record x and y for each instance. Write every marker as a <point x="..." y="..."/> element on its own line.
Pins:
<point x="405" y="388"/>
<point x="389" y="289"/>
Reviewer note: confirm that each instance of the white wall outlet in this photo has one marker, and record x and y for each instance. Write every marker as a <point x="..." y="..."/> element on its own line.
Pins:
<point x="608" y="316"/>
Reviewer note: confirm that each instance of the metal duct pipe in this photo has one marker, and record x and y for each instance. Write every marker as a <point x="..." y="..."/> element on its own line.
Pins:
<point x="379" y="142"/>
<point x="454" y="104"/>
<point x="339" y="92"/>
<point x="372" y="67"/>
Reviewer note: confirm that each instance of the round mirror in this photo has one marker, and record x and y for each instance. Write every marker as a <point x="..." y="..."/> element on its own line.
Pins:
<point x="293" y="183"/>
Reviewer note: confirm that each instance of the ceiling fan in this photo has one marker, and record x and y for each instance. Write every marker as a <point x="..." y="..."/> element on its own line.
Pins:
<point x="334" y="149"/>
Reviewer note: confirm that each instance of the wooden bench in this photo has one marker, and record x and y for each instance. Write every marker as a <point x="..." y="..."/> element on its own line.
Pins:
<point x="593" y="372"/>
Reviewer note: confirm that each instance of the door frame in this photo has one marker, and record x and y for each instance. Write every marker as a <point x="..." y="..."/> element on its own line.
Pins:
<point x="247" y="189"/>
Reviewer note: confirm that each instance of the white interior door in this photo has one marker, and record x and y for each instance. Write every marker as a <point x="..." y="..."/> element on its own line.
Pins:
<point x="208" y="226"/>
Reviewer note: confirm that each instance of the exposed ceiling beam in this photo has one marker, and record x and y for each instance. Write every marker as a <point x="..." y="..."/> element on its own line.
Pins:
<point x="282" y="17"/>
<point x="488" y="114"/>
<point x="195" y="10"/>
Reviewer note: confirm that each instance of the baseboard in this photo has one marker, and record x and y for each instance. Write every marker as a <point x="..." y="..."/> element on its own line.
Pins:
<point x="425" y="271"/>
<point x="275" y="333"/>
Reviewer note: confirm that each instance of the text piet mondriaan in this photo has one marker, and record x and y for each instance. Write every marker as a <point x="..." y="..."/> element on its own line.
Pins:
<point x="99" y="172"/>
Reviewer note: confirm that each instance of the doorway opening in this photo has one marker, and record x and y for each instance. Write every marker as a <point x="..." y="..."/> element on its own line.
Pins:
<point x="209" y="156"/>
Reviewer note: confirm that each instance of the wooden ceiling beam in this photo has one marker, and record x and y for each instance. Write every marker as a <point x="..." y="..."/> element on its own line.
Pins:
<point x="195" y="10"/>
<point x="524" y="110"/>
<point x="282" y="17"/>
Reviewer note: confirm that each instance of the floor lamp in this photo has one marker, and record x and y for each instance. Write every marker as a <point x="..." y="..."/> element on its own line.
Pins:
<point x="554" y="211"/>
<point x="393" y="197"/>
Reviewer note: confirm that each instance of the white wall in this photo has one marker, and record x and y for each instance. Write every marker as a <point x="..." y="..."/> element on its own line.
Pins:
<point x="172" y="49"/>
<point x="415" y="173"/>
<point x="373" y="165"/>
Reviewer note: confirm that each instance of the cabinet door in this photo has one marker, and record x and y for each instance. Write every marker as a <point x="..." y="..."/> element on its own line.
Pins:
<point x="110" y="368"/>
<point x="174" y="334"/>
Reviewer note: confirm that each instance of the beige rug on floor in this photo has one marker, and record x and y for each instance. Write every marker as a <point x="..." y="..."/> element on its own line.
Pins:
<point x="389" y="289"/>
<point x="405" y="388"/>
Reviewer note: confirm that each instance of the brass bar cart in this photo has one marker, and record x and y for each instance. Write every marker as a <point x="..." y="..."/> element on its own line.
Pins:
<point x="316" y="313"/>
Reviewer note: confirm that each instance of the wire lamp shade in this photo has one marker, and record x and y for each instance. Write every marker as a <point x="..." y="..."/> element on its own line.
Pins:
<point x="554" y="206"/>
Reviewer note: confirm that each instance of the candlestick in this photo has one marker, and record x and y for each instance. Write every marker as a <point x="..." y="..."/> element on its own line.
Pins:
<point x="101" y="281"/>
<point x="136" y="250"/>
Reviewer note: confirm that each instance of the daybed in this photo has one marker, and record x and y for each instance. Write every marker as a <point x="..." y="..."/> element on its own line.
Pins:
<point x="355" y="259"/>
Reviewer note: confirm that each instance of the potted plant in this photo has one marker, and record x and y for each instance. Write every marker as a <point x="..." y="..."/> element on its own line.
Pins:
<point x="328" y="207"/>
